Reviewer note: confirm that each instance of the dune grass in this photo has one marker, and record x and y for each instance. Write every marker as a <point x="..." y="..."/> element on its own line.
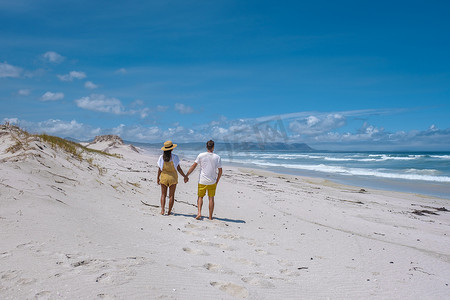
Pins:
<point x="22" y="138"/>
<point x="71" y="147"/>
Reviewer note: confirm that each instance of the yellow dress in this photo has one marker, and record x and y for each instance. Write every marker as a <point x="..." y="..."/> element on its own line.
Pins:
<point x="169" y="174"/>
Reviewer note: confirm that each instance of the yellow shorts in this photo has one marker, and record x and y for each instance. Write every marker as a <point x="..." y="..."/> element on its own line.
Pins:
<point x="210" y="188"/>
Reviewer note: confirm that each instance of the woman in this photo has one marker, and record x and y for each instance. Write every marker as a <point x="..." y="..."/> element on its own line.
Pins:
<point x="168" y="164"/>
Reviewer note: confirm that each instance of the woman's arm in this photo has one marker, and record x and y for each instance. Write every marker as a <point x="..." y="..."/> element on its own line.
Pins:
<point x="180" y="171"/>
<point x="159" y="173"/>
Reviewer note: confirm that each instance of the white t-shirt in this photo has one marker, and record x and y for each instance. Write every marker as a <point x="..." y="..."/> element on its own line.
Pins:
<point x="174" y="158"/>
<point x="209" y="163"/>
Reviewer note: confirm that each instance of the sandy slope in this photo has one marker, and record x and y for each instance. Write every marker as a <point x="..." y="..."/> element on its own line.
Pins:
<point x="78" y="230"/>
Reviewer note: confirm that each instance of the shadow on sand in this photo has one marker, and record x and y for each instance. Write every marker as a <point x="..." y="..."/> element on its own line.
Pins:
<point x="215" y="218"/>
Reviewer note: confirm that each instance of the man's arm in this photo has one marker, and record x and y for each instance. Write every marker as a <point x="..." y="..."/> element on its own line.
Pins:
<point x="194" y="165"/>
<point x="219" y="174"/>
<point x="186" y="179"/>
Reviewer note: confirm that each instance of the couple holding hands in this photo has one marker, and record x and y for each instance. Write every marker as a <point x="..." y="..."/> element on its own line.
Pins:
<point x="210" y="173"/>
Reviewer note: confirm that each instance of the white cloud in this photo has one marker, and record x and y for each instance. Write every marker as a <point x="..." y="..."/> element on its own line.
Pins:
<point x="144" y="112"/>
<point x="34" y="73"/>
<point x="140" y="134"/>
<point x="49" y="96"/>
<point x="7" y="70"/>
<point x="156" y="134"/>
<point x="118" y="130"/>
<point x="311" y="121"/>
<point x="101" y="103"/>
<point x="369" y="137"/>
<point x="121" y="71"/>
<point x="137" y="102"/>
<point x="59" y="127"/>
<point x="183" y="109"/>
<point x="90" y="85"/>
<point x="11" y="121"/>
<point x="24" y="92"/>
<point x="53" y="57"/>
<point x="72" y="75"/>
<point x="162" y="108"/>
<point x="433" y="128"/>
<point x="314" y="125"/>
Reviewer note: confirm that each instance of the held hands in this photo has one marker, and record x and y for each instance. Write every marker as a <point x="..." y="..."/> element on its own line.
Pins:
<point x="186" y="179"/>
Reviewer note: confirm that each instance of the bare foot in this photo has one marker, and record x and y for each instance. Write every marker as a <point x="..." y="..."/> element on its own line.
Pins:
<point x="210" y="218"/>
<point x="198" y="217"/>
<point x="169" y="213"/>
<point x="162" y="212"/>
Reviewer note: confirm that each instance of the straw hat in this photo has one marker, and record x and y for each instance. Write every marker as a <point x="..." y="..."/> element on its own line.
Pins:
<point x="168" y="146"/>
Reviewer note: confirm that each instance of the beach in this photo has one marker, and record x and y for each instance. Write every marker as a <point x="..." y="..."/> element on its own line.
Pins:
<point x="89" y="226"/>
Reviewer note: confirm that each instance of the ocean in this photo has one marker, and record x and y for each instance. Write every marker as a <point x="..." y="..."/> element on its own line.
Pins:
<point x="425" y="173"/>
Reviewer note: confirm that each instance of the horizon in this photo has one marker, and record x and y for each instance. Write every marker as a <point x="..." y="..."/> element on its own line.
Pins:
<point x="334" y="76"/>
<point x="158" y="145"/>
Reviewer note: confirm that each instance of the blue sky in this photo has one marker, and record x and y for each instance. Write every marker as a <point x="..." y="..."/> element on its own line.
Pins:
<point x="358" y="75"/>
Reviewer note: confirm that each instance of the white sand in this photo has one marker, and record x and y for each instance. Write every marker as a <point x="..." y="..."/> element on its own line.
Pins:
<point x="78" y="230"/>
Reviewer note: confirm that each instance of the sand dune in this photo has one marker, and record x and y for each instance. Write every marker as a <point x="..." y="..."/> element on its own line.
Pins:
<point x="74" y="226"/>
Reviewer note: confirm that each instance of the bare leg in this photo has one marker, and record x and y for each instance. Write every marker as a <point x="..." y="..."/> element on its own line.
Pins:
<point x="172" y="189"/>
<point x="163" y="197"/>
<point x="199" y="204"/>
<point x="211" y="207"/>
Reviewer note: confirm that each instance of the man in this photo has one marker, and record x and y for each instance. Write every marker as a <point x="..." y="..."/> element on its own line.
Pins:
<point x="210" y="173"/>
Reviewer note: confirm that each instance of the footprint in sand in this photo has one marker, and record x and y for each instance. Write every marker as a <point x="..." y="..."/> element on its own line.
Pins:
<point x="231" y="289"/>
<point x="231" y="237"/>
<point x="212" y="267"/>
<point x="28" y="245"/>
<point x="194" y="226"/>
<point x="195" y="251"/>
<point x="285" y="263"/>
<point x="193" y="233"/>
<point x="5" y="254"/>
<point x="261" y="251"/>
<point x="217" y="268"/>
<point x="105" y="296"/>
<point x="82" y="263"/>
<point x="245" y="261"/>
<point x="43" y="294"/>
<point x="9" y="275"/>
<point x="102" y="277"/>
<point x="210" y="244"/>
<point x="24" y="281"/>
<point x="289" y="272"/>
<point x="258" y="282"/>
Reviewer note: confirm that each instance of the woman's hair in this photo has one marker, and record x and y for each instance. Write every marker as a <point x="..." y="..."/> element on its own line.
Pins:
<point x="167" y="155"/>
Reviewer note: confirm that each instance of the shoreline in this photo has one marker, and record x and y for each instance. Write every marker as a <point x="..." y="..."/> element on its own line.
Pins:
<point x="441" y="191"/>
<point x="411" y="186"/>
<point x="438" y="190"/>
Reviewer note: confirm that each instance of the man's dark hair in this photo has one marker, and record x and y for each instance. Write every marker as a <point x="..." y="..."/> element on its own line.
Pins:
<point x="210" y="144"/>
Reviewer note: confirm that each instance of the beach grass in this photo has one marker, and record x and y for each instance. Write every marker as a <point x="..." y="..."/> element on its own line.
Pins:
<point x="22" y="138"/>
